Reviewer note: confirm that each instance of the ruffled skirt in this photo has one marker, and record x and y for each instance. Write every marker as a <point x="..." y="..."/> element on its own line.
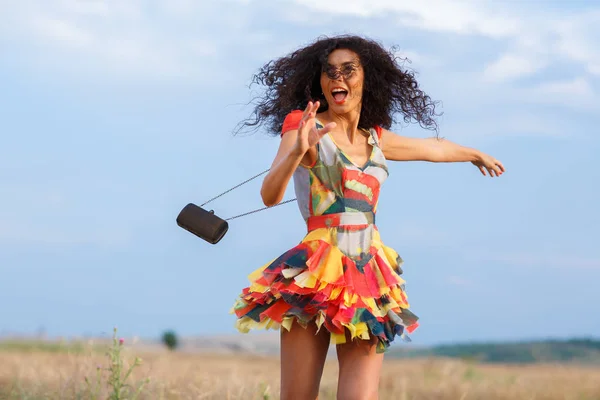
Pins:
<point x="340" y="276"/>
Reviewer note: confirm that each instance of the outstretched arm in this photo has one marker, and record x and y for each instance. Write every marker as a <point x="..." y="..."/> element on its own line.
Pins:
<point x="401" y="148"/>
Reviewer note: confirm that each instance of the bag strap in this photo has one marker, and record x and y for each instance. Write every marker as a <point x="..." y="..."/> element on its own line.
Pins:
<point x="249" y="212"/>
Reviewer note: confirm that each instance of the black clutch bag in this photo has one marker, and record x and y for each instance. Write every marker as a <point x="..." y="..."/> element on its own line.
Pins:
<point x="204" y="224"/>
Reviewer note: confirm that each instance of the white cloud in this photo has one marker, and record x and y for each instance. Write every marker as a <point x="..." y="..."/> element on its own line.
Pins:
<point x="529" y="124"/>
<point x="131" y="40"/>
<point x="578" y="39"/>
<point x="465" y="17"/>
<point x="575" y="93"/>
<point x="510" y="66"/>
<point x="55" y="30"/>
<point x="576" y="87"/>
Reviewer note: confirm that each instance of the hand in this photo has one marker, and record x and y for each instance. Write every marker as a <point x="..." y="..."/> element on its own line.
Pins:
<point x="489" y="163"/>
<point x="308" y="134"/>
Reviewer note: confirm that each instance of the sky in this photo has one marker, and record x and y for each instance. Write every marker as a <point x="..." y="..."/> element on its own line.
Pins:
<point x="115" y="114"/>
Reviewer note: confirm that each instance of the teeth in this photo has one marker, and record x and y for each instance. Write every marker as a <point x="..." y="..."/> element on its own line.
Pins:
<point x="337" y="90"/>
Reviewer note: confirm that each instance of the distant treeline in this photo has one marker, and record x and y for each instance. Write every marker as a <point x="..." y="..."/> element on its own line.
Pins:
<point x="572" y="350"/>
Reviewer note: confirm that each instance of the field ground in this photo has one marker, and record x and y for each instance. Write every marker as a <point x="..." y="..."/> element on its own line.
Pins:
<point x="51" y="373"/>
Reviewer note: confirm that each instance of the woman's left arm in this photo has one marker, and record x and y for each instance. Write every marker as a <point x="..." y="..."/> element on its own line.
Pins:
<point x="401" y="148"/>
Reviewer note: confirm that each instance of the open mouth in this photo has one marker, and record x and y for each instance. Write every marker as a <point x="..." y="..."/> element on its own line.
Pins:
<point x="339" y="95"/>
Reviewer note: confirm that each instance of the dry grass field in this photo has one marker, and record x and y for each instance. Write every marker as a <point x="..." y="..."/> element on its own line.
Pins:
<point x="27" y="374"/>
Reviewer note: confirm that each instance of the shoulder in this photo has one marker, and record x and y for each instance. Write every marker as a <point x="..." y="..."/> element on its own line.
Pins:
<point x="291" y="121"/>
<point x="379" y="130"/>
<point x="379" y="134"/>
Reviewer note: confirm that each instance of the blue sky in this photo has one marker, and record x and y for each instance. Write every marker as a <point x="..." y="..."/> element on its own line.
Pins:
<point x="115" y="114"/>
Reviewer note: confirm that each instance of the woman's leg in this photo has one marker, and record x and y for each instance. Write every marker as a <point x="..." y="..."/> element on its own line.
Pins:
<point x="303" y="354"/>
<point x="360" y="366"/>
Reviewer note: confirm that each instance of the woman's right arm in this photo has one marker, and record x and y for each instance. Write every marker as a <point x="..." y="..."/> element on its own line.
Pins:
<point x="298" y="145"/>
<point x="288" y="157"/>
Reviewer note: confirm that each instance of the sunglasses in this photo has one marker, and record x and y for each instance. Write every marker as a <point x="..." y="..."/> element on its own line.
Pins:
<point x="346" y="70"/>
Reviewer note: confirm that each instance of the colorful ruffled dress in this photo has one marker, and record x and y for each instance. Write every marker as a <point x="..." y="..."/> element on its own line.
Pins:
<point x="340" y="276"/>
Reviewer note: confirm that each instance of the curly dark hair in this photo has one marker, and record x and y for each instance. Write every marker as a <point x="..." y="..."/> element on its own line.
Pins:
<point x="294" y="80"/>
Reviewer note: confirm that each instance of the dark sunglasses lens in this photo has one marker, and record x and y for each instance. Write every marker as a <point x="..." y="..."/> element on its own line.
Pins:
<point x="332" y="73"/>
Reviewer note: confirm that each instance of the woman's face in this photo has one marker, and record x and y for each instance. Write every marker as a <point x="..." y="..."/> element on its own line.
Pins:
<point x="342" y="81"/>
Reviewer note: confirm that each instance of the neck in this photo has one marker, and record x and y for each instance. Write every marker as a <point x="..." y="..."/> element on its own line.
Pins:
<point x="348" y="123"/>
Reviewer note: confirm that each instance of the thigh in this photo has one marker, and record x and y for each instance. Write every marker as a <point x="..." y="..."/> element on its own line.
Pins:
<point x="359" y="366"/>
<point x="303" y="354"/>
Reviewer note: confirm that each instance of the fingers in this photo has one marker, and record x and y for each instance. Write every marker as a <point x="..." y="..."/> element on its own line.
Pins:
<point x="497" y="167"/>
<point x="311" y="110"/>
<point x="316" y="106"/>
<point x="500" y="165"/>
<point x="495" y="171"/>
<point x="307" y="115"/>
<point x="307" y="110"/>
<point x="494" y="167"/>
<point x="327" y="128"/>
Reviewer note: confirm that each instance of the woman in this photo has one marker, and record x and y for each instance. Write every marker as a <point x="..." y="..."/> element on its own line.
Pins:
<point x="332" y="103"/>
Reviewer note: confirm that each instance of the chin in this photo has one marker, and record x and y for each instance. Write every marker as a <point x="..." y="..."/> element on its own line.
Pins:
<point x="341" y="108"/>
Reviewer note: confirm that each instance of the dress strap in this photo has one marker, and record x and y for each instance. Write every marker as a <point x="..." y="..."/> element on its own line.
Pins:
<point x="374" y="137"/>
